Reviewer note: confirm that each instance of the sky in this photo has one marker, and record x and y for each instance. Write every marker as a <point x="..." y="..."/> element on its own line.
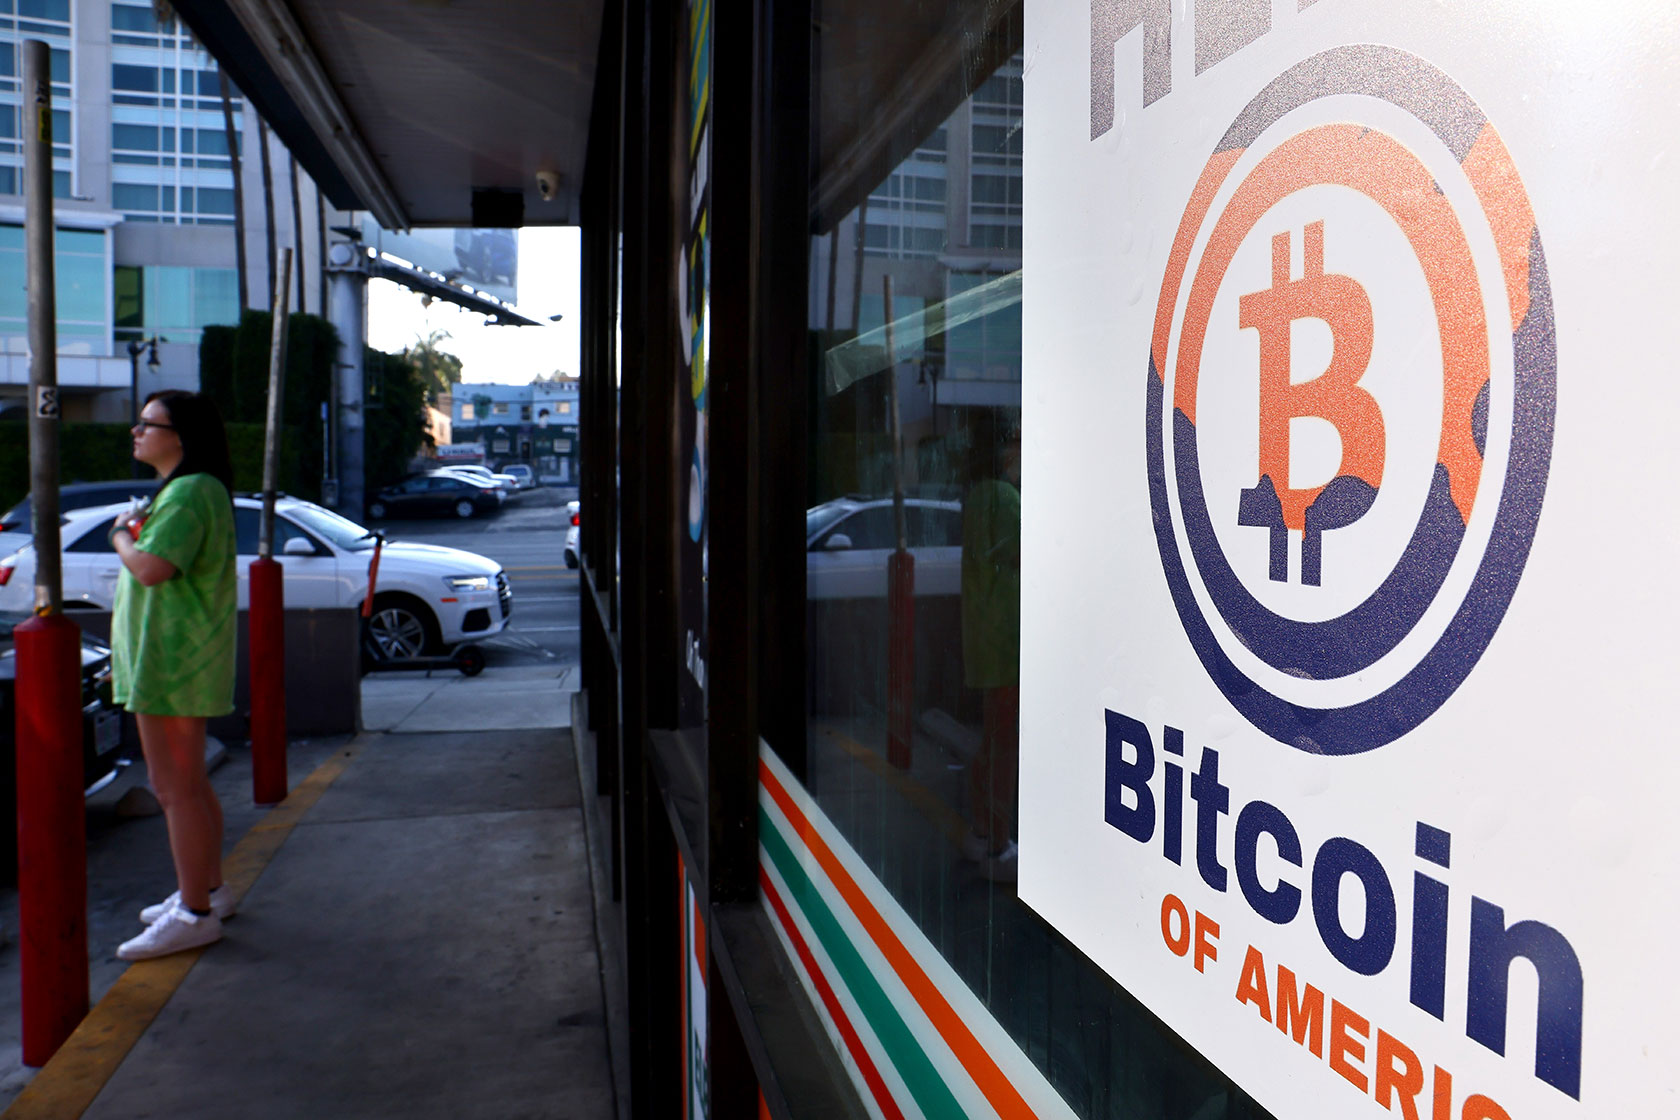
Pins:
<point x="549" y="259"/>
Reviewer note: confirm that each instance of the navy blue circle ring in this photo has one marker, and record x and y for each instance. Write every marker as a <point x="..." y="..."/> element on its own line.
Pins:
<point x="1340" y="646"/>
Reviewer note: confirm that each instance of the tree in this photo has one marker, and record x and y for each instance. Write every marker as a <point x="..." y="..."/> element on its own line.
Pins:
<point x="436" y="367"/>
<point x="268" y="202"/>
<point x="396" y="429"/>
<point x="232" y="133"/>
<point x="164" y="12"/>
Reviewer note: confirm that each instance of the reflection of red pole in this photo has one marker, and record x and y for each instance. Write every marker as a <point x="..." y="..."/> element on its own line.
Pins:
<point x="52" y="834"/>
<point x="268" y="682"/>
<point x="901" y="655"/>
<point x="901" y="575"/>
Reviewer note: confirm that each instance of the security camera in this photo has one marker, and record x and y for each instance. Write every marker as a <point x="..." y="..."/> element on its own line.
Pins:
<point x="548" y="184"/>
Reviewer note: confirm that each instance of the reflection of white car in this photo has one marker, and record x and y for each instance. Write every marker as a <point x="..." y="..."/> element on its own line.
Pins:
<point x="522" y="476"/>
<point x="505" y="484"/>
<point x="429" y="597"/>
<point x="848" y="541"/>
<point x="573" y="557"/>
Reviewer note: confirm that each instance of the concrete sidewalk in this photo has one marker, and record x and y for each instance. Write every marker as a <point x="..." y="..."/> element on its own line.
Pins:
<point x="421" y="943"/>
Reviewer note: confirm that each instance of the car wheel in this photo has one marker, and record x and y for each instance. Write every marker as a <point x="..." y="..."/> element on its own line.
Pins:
<point x="376" y="510"/>
<point x="465" y="509"/>
<point x="401" y="627"/>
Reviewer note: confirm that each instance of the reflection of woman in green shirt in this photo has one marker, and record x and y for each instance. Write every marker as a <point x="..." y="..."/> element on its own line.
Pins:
<point x="991" y="638"/>
<point x="172" y="652"/>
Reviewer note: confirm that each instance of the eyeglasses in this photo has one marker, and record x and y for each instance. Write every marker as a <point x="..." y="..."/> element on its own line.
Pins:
<point x="142" y="425"/>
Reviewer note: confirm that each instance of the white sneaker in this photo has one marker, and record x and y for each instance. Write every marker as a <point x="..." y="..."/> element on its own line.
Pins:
<point x="222" y="904"/>
<point x="178" y="929"/>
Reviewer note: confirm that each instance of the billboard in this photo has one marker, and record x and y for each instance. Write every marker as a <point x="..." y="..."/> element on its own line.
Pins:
<point x="1346" y="645"/>
<point x="486" y="260"/>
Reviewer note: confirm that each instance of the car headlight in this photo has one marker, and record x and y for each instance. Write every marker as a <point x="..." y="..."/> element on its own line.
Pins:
<point x="468" y="583"/>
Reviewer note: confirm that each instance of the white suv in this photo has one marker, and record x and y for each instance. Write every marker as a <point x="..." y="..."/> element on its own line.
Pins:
<point x="429" y="598"/>
<point x="849" y="540"/>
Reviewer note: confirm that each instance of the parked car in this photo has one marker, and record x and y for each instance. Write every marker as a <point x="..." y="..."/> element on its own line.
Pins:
<point x="438" y="493"/>
<point x="502" y="482"/>
<point x="102" y="744"/>
<point x="523" y="477"/>
<point x="573" y="557"/>
<point x="848" y="541"/>
<point x="15" y="527"/>
<point x="429" y="597"/>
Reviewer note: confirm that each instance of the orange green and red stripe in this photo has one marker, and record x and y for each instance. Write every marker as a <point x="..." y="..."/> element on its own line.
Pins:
<point x="916" y="1040"/>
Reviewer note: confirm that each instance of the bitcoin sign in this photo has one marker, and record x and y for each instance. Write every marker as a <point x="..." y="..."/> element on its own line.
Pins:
<point x="1351" y="389"/>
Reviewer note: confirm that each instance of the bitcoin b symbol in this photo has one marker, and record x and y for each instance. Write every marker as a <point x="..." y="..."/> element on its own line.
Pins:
<point x="1334" y="395"/>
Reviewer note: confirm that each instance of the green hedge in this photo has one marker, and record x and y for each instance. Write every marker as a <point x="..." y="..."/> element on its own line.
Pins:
<point x="233" y="370"/>
<point x="97" y="452"/>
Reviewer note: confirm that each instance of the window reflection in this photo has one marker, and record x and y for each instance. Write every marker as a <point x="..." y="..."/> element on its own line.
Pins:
<point x="913" y="534"/>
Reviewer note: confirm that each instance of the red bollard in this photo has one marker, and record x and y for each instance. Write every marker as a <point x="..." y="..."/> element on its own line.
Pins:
<point x="268" y="683"/>
<point x="52" y="834"/>
<point x="901" y="656"/>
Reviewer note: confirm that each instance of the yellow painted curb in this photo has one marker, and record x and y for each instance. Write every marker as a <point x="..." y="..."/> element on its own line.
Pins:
<point x="69" y="1082"/>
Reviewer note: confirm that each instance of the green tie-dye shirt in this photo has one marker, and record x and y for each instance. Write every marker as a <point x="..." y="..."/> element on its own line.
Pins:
<point x="172" y="645"/>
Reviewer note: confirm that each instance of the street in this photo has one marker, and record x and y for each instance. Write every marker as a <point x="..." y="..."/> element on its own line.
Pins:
<point x="128" y="858"/>
<point x="527" y="539"/>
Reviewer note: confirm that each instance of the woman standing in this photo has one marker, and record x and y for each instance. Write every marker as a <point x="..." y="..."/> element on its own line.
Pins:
<point x="172" y="652"/>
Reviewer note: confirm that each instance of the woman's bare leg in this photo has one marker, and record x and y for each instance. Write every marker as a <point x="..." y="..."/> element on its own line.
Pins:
<point x="174" y="750"/>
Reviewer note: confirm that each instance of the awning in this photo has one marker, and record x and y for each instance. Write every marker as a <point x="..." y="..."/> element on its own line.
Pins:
<point x="407" y="109"/>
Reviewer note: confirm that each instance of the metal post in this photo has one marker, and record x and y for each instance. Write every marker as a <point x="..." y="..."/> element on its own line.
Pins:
<point x="901" y="576"/>
<point x="276" y="389"/>
<point x="136" y="347"/>
<point x="52" y="837"/>
<point x="347" y="283"/>
<point x="268" y="605"/>
<point x="329" y="485"/>
<point x="43" y="329"/>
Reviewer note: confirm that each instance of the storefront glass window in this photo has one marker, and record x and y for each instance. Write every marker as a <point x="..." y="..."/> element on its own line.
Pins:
<point x="913" y="537"/>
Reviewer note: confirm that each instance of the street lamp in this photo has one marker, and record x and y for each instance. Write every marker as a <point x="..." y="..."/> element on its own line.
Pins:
<point x="136" y="347"/>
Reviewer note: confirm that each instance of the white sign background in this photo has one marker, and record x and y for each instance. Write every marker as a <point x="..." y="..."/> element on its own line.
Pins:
<point x="1554" y="765"/>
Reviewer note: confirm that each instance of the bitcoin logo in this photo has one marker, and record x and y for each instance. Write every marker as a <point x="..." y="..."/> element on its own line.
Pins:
<point x="1334" y="395"/>
<point x="1350" y="399"/>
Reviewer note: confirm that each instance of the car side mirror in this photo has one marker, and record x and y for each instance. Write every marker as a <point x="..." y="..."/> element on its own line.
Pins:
<point x="836" y="542"/>
<point x="297" y="546"/>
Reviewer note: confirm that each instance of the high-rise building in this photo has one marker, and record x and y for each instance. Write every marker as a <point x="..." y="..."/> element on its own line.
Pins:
<point x="144" y="157"/>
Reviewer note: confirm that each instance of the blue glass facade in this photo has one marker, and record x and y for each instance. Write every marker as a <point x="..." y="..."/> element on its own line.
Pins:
<point x="169" y="145"/>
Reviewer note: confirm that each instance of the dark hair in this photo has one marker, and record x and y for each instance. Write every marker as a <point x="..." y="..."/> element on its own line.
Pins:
<point x="990" y="432"/>
<point x="198" y="423"/>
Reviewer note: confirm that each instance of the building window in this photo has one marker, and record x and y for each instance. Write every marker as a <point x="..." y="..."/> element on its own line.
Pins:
<point x="80" y="264"/>
<point x="168" y="143"/>
<point x="466" y="410"/>
<point x="137" y="25"/>
<point x="524" y="412"/>
<point x="174" y="302"/>
<point x="564" y="408"/>
<point x="48" y="19"/>
<point x="933" y="838"/>
<point x="500" y="408"/>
